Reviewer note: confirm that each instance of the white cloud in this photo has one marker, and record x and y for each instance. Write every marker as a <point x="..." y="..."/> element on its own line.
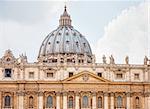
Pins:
<point x="27" y="37"/>
<point x="126" y="35"/>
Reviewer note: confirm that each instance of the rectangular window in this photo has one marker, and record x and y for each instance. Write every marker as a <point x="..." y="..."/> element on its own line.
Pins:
<point x="70" y="74"/>
<point x="136" y="76"/>
<point x="119" y="76"/>
<point x="31" y="74"/>
<point x="99" y="74"/>
<point x="49" y="75"/>
<point x="8" y="72"/>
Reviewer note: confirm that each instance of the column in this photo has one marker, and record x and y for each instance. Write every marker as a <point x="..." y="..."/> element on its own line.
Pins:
<point x="105" y="100"/>
<point x="128" y="100"/>
<point x="20" y="100"/>
<point x="112" y="101"/>
<point x="0" y="100"/>
<point x="77" y="101"/>
<point x="58" y="100"/>
<point x="65" y="100"/>
<point x="40" y="100"/>
<point x="94" y="100"/>
<point x="148" y="100"/>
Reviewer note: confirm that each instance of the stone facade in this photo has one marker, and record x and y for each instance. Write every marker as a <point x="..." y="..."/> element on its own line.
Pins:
<point x="73" y="84"/>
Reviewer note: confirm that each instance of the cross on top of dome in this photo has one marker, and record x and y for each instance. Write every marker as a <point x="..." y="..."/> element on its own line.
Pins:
<point x="65" y="19"/>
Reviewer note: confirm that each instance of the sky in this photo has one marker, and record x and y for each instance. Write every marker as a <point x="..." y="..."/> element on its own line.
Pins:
<point x="112" y="27"/>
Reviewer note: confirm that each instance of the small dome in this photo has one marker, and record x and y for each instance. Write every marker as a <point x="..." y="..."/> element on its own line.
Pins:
<point x="65" y="40"/>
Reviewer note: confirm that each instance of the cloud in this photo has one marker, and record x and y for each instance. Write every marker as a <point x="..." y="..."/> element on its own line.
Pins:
<point x="23" y="35"/>
<point x="127" y="34"/>
<point x="27" y="11"/>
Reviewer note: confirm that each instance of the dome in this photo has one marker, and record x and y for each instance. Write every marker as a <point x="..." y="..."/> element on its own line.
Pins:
<point x="65" y="40"/>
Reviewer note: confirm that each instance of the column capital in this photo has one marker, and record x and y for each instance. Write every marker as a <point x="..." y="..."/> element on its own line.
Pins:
<point x="40" y="93"/>
<point x="20" y="93"/>
<point x="77" y="93"/>
<point x="58" y="93"/>
<point x="94" y="93"/>
<point x="112" y="94"/>
<point x="65" y="93"/>
<point x="147" y="94"/>
<point x="105" y="93"/>
<point x="128" y="94"/>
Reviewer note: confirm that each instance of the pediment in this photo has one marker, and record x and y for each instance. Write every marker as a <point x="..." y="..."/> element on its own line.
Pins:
<point x="84" y="77"/>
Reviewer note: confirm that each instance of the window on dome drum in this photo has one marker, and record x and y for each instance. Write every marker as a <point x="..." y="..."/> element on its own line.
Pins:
<point x="70" y="105"/>
<point x="99" y="104"/>
<point x="85" y="102"/>
<point x="50" y="75"/>
<point x="119" y="102"/>
<point x="31" y="102"/>
<point x="70" y="74"/>
<point x="119" y="75"/>
<point x="31" y="75"/>
<point x="137" y="103"/>
<point x="99" y="74"/>
<point x="7" y="101"/>
<point x="8" y="72"/>
<point x="136" y="76"/>
<point x="49" y="102"/>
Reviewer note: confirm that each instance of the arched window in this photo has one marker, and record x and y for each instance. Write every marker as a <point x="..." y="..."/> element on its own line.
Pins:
<point x="85" y="102"/>
<point x="31" y="102"/>
<point x="119" y="101"/>
<point x="49" y="102"/>
<point x="70" y="102"/>
<point x="7" y="101"/>
<point x="99" y="102"/>
<point x="137" y="103"/>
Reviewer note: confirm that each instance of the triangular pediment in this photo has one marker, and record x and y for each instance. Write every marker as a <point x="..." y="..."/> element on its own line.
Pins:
<point x="84" y="77"/>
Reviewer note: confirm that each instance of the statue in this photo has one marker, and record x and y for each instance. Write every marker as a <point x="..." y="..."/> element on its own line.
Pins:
<point x="104" y="59"/>
<point x="127" y="59"/>
<point x="145" y="60"/>
<point x="112" y="61"/>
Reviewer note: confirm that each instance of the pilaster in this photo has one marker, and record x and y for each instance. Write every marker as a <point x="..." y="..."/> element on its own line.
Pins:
<point x="21" y="100"/>
<point x="94" y="100"/>
<point x="0" y="100"/>
<point x="40" y="100"/>
<point x="57" y="100"/>
<point x="105" y="100"/>
<point x="128" y="100"/>
<point x="112" y="101"/>
<point x="77" y="100"/>
<point x="64" y="100"/>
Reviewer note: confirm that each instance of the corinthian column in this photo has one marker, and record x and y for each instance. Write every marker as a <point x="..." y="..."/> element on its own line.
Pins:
<point x="105" y="100"/>
<point x="94" y="100"/>
<point x="128" y="100"/>
<point x="58" y="100"/>
<point x="20" y="100"/>
<point x="64" y="100"/>
<point x="40" y="100"/>
<point x="148" y="100"/>
<point x="112" y="101"/>
<point x="77" y="101"/>
<point x="0" y="100"/>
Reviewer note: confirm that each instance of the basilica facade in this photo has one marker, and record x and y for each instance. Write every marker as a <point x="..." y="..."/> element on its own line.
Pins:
<point x="66" y="76"/>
